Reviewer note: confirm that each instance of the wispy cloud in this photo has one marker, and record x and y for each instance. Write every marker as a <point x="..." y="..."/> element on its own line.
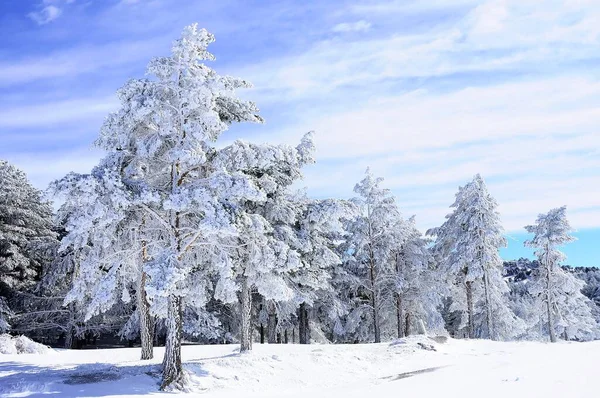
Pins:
<point x="45" y="15"/>
<point x="358" y="26"/>
<point x="49" y="114"/>
<point x="48" y="10"/>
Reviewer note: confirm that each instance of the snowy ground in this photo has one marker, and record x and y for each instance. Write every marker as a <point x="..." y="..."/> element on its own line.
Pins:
<point x="457" y="369"/>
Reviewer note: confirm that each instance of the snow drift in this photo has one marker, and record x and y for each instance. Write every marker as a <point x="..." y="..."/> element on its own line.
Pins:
<point x="20" y="345"/>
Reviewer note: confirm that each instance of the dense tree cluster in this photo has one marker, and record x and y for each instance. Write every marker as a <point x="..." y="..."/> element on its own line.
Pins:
<point x="174" y="235"/>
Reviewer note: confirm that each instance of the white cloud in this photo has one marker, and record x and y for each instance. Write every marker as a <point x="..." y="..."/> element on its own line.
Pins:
<point x="45" y="15"/>
<point x="534" y="136"/>
<point x="48" y="11"/>
<point x="359" y="26"/>
<point x="77" y="60"/>
<point x="499" y="35"/>
<point x="42" y="169"/>
<point x="56" y="112"/>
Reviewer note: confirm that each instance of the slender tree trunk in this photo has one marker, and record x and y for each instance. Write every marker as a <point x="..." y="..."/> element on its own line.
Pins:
<point x="294" y="335"/>
<point x="146" y="320"/>
<point x="303" y="324"/>
<point x="399" y="316"/>
<point x="262" y="334"/>
<point x="285" y="336"/>
<point x="471" y="323"/>
<point x="549" y="303"/>
<point x="271" y="323"/>
<point x="488" y="307"/>
<point x="172" y="368"/>
<point x="399" y="309"/>
<point x="551" y="329"/>
<point x="70" y="332"/>
<point x="374" y="302"/>
<point x="407" y="325"/>
<point x="246" y="317"/>
<point x="550" y="322"/>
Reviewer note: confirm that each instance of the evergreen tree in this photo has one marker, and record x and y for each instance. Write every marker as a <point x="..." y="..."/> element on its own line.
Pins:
<point x="370" y="252"/>
<point x="557" y="294"/>
<point x="264" y="249"/>
<point x="467" y="248"/>
<point x="160" y="141"/>
<point x="26" y="236"/>
<point x="418" y="291"/>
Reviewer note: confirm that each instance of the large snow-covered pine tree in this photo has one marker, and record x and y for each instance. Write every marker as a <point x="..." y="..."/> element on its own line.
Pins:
<point x="160" y="141"/>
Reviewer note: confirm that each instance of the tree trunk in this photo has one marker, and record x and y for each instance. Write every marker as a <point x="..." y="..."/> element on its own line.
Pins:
<point x="69" y="338"/>
<point x="488" y="308"/>
<point x="407" y="325"/>
<point x="374" y="303"/>
<point x="285" y="336"/>
<point x="303" y="325"/>
<point x="146" y="320"/>
<point x="471" y="321"/>
<point x="172" y="369"/>
<point x="271" y="323"/>
<point x="550" y="321"/>
<point x="399" y="315"/>
<point x="294" y="335"/>
<point x="246" y="317"/>
<point x="262" y="334"/>
<point x="70" y="332"/>
<point x="549" y="304"/>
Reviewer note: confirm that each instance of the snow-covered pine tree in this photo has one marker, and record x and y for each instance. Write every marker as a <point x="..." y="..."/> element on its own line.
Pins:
<point x="263" y="251"/>
<point x="418" y="290"/>
<point x="467" y="249"/>
<point x="26" y="236"/>
<point x="160" y="141"/>
<point x="319" y="225"/>
<point x="558" y="298"/>
<point x="370" y="250"/>
<point x="106" y="236"/>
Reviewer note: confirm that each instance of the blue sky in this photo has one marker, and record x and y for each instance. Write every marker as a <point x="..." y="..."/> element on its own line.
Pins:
<point x="426" y="93"/>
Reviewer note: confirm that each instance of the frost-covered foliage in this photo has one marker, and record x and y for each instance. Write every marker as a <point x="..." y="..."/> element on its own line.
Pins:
<point x="26" y="236"/>
<point x="418" y="288"/>
<point x="374" y="237"/>
<point x="467" y="249"/>
<point x="320" y="229"/>
<point x="557" y="294"/>
<point x="263" y="252"/>
<point x="162" y="164"/>
<point x="94" y="214"/>
<point x="591" y="277"/>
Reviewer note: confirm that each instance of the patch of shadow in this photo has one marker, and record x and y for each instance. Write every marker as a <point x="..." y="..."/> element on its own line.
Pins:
<point x="89" y="378"/>
<point x="427" y="347"/>
<point x="413" y="373"/>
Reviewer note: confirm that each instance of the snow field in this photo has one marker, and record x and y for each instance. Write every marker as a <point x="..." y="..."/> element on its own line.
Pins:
<point x="458" y="368"/>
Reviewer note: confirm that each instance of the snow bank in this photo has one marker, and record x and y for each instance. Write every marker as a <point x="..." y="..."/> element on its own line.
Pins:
<point x="20" y="345"/>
